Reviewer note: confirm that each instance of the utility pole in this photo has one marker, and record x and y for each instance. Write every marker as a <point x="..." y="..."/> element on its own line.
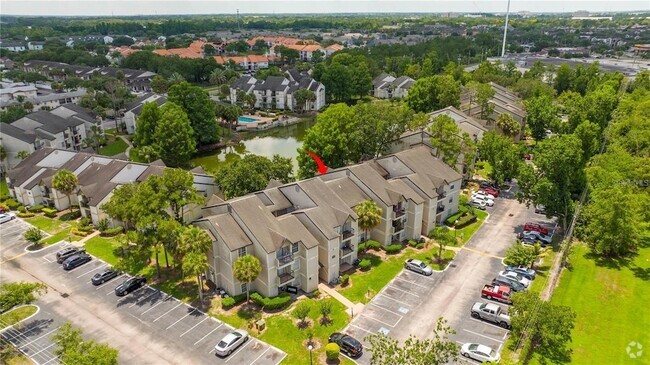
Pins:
<point x="238" y="28"/>
<point x="505" y="32"/>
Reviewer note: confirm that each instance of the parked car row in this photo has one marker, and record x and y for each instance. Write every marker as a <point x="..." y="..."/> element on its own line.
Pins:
<point x="484" y="198"/>
<point x="534" y="233"/>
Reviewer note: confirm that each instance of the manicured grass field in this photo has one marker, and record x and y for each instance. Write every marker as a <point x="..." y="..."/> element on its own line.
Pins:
<point x="113" y="148"/>
<point x="16" y="315"/>
<point x="48" y="225"/>
<point x="467" y="232"/>
<point x="611" y="301"/>
<point x="4" y="190"/>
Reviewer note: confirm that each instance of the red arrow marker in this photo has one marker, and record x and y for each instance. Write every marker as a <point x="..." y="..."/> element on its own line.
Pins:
<point x="321" y="166"/>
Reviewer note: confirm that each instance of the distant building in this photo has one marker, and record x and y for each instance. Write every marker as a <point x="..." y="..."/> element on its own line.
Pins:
<point x="276" y="92"/>
<point x="13" y="46"/>
<point x="250" y="62"/>
<point x="386" y="86"/>
<point x="134" y="109"/>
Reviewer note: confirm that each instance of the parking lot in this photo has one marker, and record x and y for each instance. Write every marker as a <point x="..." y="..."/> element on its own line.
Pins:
<point x="411" y="303"/>
<point x="185" y="329"/>
<point x="11" y="236"/>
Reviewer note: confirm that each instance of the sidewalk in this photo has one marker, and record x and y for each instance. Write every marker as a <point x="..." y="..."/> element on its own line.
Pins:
<point x="82" y="241"/>
<point x="352" y="308"/>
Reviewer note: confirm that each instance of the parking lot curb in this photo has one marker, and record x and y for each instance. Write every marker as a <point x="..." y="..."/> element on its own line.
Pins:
<point x="38" y="309"/>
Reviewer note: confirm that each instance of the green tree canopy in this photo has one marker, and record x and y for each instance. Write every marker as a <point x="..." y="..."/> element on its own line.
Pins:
<point x="253" y="173"/>
<point x="146" y="124"/>
<point x="73" y="349"/>
<point x="66" y="182"/>
<point x="246" y="269"/>
<point x="174" y="137"/>
<point x="17" y="293"/>
<point x="542" y="115"/>
<point x="503" y="155"/>
<point x="196" y="103"/>
<point x="369" y="214"/>
<point x="433" y="93"/>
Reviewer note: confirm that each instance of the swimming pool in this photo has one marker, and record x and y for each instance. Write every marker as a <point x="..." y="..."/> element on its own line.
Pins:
<point x="243" y="119"/>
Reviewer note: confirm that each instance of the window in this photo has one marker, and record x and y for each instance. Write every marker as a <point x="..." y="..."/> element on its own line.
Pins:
<point x="241" y="252"/>
<point x="451" y="187"/>
<point x="294" y="247"/>
<point x="244" y="287"/>
<point x="451" y="199"/>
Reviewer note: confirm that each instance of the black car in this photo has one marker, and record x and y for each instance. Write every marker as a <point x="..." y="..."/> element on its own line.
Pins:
<point x="104" y="276"/>
<point x="130" y="285"/>
<point x="67" y="252"/>
<point x="75" y="261"/>
<point x="349" y="345"/>
<point x="514" y="286"/>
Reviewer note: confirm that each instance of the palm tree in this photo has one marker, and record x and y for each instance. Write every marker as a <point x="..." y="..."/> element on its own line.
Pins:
<point x="196" y="263"/>
<point x="66" y="182"/>
<point x="22" y="154"/>
<point x="218" y="77"/>
<point x="175" y="78"/>
<point x="193" y="239"/>
<point x="369" y="215"/>
<point x="246" y="269"/>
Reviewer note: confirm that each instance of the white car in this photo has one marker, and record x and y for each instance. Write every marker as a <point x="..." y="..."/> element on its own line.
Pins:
<point x="482" y="195"/>
<point x="489" y="202"/>
<point x="6" y="217"/>
<point x="479" y="352"/>
<point x="516" y="276"/>
<point x="230" y="342"/>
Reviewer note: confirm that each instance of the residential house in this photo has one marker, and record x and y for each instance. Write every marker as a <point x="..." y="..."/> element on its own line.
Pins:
<point x="305" y="51"/>
<point x="249" y="63"/>
<point x="13" y="46"/>
<point x="276" y="92"/>
<point x="386" y="86"/>
<point x="329" y="50"/>
<point x="47" y="100"/>
<point x="503" y="101"/>
<point x="133" y="110"/>
<point x="30" y="182"/>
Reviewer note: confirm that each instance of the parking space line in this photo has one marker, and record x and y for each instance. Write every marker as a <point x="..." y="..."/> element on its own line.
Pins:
<point x="363" y="329"/>
<point x="100" y="286"/>
<point x="382" y="322"/>
<point x="393" y="299"/>
<point x="489" y="324"/>
<point x="239" y="349"/>
<point x="32" y="341"/>
<point x="180" y="319"/>
<point x="20" y="333"/>
<point x="209" y="333"/>
<point x="164" y="314"/>
<point x="430" y="277"/>
<point x="182" y="334"/>
<point x="410" y="282"/>
<point x="262" y="354"/>
<point x="386" y="309"/>
<point x="147" y="297"/>
<point x="50" y="360"/>
<point x="403" y="291"/>
<point x="135" y="291"/>
<point x="155" y="305"/>
<point x="43" y="349"/>
<point x="478" y="334"/>
<point x="88" y="272"/>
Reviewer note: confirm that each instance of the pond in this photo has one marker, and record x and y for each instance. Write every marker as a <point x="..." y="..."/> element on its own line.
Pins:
<point x="283" y="141"/>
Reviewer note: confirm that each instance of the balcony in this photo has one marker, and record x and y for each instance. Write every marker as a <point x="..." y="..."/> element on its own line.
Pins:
<point x="398" y="227"/>
<point x="398" y="213"/>
<point x="284" y="260"/>
<point x="347" y="233"/>
<point x="284" y="278"/>
<point x="441" y="194"/>
<point x="345" y="250"/>
<point x="441" y="208"/>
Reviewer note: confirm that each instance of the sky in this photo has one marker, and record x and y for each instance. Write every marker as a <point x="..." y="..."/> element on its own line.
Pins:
<point x="162" y="7"/>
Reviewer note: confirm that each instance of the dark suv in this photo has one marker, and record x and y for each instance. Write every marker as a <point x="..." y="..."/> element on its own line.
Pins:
<point x="349" y="345"/>
<point x="75" y="261"/>
<point x="67" y="252"/>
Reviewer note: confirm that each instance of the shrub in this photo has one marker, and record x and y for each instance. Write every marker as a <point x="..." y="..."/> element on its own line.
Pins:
<point x="25" y="215"/>
<point x="4" y="207"/>
<point x="77" y="232"/>
<point x="370" y="244"/>
<point x="451" y="220"/>
<point x="413" y="243"/>
<point x="233" y="301"/>
<point x="465" y="221"/>
<point x="332" y="351"/>
<point x="315" y="293"/>
<point x="271" y="303"/>
<point x="362" y="247"/>
<point x="33" y="235"/>
<point x="110" y="232"/>
<point x="302" y="311"/>
<point x="22" y="209"/>
<point x="420" y="245"/>
<point x="70" y="216"/>
<point x="12" y="204"/>
<point x="365" y="264"/>
<point x="85" y="221"/>
<point x="50" y="212"/>
<point x="86" y="229"/>
<point x="102" y="225"/>
<point x="36" y="208"/>
<point x="345" y="280"/>
<point x="392" y="249"/>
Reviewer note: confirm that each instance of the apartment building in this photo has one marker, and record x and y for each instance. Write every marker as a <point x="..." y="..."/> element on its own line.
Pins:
<point x="276" y="92"/>
<point x="30" y="182"/>
<point x="307" y="231"/>
<point x="386" y="86"/>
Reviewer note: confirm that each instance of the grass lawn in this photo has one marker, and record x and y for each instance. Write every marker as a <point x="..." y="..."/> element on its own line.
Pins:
<point x="108" y="249"/>
<point x="384" y="270"/>
<point x="114" y="148"/>
<point x="11" y="356"/>
<point x="610" y="298"/>
<point x="48" y="225"/>
<point x="467" y="232"/>
<point x="282" y="331"/>
<point x="4" y="190"/>
<point x="16" y="315"/>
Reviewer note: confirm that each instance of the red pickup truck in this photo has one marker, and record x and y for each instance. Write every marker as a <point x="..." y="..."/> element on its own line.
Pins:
<point x="498" y="293"/>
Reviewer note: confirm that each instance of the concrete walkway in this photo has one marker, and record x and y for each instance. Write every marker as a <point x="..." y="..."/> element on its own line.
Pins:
<point x="126" y="140"/>
<point x="352" y="308"/>
<point x="82" y="241"/>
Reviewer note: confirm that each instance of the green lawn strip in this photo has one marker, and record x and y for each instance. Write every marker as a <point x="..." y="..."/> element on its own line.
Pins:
<point x="48" y="225"/>
<point x="542" y="270"/>
<point x="108" y="249"/>
<point x="4" y="189"/>
<point x="431" y="258"/>
<point x="467" y="232"/>
<point x="16" y="315"/>
<point x="610" y="299"/>
<point x="113" y="148"/>
<point x="64" y="235"/>
<point x="283" y="332"/>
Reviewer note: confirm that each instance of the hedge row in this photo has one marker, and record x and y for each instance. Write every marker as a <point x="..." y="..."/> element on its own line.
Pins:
<point x="49" y="212"/>
<point x="465" y="221"/>
<point x="112" y="231"/>
<point x="230" y="302"/>
<point x="278" y="302"/>
<point x="394" y="248"/>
